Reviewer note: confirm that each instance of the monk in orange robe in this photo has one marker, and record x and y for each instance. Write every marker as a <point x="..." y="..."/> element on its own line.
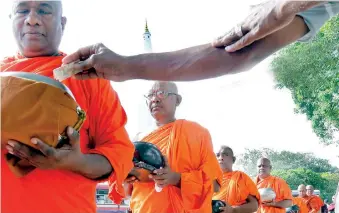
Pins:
<point x="187" y="179"/>
<point x="283" y="192"/>
<point x="100" y="151"/>
<point x="310" y="201"/>
<point x="318" y="202"/>
<point x="300" y="203"/>
<point x="237" y="190"/>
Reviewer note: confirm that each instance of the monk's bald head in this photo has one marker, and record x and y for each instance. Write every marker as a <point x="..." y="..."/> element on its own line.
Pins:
<point x="309" y="190"/>
<point x="226" y="158"/>
<point x="227" y="149"/>
<point x="263" y="160"/>
<point x="168" y="86"/>
<point x="301" y="187"/>
<point x="302" y="190"/>
<point x="38" y="27"/>
<point x="162" y="100"/>
<point x="264" y="167"/>
<point x="56" y="3"/>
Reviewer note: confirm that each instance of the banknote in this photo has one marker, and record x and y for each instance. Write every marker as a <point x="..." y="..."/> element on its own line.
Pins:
<point x="64" y="72"/>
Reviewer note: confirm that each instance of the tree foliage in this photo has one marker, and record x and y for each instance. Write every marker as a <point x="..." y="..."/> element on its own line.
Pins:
<point x="325" y="182"/>
<point x="284" y="160"/>
<point x="311" y="72"/>
<point x="294" y="167"/>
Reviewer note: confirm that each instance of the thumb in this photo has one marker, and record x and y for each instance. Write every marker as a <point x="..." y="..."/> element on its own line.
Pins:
<point x="73" y="136"/>
<point x="165" y="161"/>
<point x="82" y="53"/>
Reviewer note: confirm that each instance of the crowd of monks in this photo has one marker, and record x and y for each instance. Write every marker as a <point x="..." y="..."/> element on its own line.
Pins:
<point x="205" y="176"/>
<point x="192" y="176"/>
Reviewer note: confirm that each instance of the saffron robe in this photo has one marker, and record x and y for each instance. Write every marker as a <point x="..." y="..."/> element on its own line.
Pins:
<point x="103" y="133"/>
<point x="280" y="187"/>
<point x="236" y="186"/>
<point x="188" y="148"/>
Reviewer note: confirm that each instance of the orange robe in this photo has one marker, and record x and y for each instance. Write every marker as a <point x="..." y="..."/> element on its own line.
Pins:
<point x="189" y="151"/>
<point x="102" y="133"/>
<point x="280" y="187"/>
<point x="314" y="203"/>
<point x="236" y="186"/>
<point x="301" y="204"/>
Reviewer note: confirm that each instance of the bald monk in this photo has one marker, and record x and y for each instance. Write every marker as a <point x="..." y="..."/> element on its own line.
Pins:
<point x="280" y="187"/>
<point x="311" y="203"/>
<point x="187" y="179"/>
<point x="309" y="193"/>
<point x="100" y="151"/>
<point x="237" y="190"/>
<point x="300" y="203"/>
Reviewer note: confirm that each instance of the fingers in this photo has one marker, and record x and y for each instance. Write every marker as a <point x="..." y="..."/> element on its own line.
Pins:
<point x="226" y="39"/>
<point x="73" y="135"/>
<point x="161" y="170"/>
<point x="131" y="180"/>
<point x="80" y="54"/>
<point x="91" y="74"/>
<point x="19" y="149"/>
<point x="244" y="41"/>
<point x="166" y="162"/>
<point x="47" y="150"/>
<point x="24" y="152"/>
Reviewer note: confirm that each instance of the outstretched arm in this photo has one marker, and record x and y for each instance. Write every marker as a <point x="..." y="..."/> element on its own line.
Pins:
<point x="205" y="61"/>
<point x="195" y="63"/>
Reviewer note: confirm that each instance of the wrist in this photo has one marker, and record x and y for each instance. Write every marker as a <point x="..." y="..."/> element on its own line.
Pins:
<point x="78" y="165"/>
<point x="133" y="67"/>
<point x="285" y="8"/>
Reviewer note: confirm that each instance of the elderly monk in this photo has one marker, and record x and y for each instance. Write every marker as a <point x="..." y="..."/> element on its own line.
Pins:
<point x="237" y="190"/>
<point x="64" y="180"/>
<point x="316" y="201"/>
<point x="191" y="165"/>
<point x="299" y="201"/>
<point x="310" y="202"/>
<point x="280" y="187"/>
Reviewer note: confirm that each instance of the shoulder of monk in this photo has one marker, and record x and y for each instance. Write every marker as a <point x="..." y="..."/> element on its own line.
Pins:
<point x="192" y="125"/>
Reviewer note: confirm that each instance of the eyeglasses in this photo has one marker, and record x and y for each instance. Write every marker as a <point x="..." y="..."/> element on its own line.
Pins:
<point x="159" y="94"/>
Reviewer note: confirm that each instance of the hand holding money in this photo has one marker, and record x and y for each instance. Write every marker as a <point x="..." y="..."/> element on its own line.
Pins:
<point x="65" y="71"/>
<point x="97" y="61"/>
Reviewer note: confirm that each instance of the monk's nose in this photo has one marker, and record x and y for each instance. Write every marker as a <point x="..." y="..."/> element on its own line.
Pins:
<point x="33" y="19"/>
<point x="155" y="99"/>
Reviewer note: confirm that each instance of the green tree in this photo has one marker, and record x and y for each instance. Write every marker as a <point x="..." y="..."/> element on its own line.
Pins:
<point x="311" y="72"/>
<point x="331" y="185"/>
<point x="284" y="160"/>
<point x="295" y="177"/>
<point x="325" y="182"/>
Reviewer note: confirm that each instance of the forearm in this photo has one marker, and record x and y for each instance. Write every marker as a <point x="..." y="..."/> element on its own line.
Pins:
<point x="94" y="166"/>
<point x="283" y="204"/>
<point x="250" y="206"/>
<point x="216" y="186"/>
<point x="205" y="61"/>
<point x="292" y="7"/>
<point x="246" y="208"/>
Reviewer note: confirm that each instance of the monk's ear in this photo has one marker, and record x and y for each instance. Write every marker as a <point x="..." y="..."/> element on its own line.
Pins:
<point x="234" y="159"/>
<point x="63" y="22"/>
<point x="179" y="99"/>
